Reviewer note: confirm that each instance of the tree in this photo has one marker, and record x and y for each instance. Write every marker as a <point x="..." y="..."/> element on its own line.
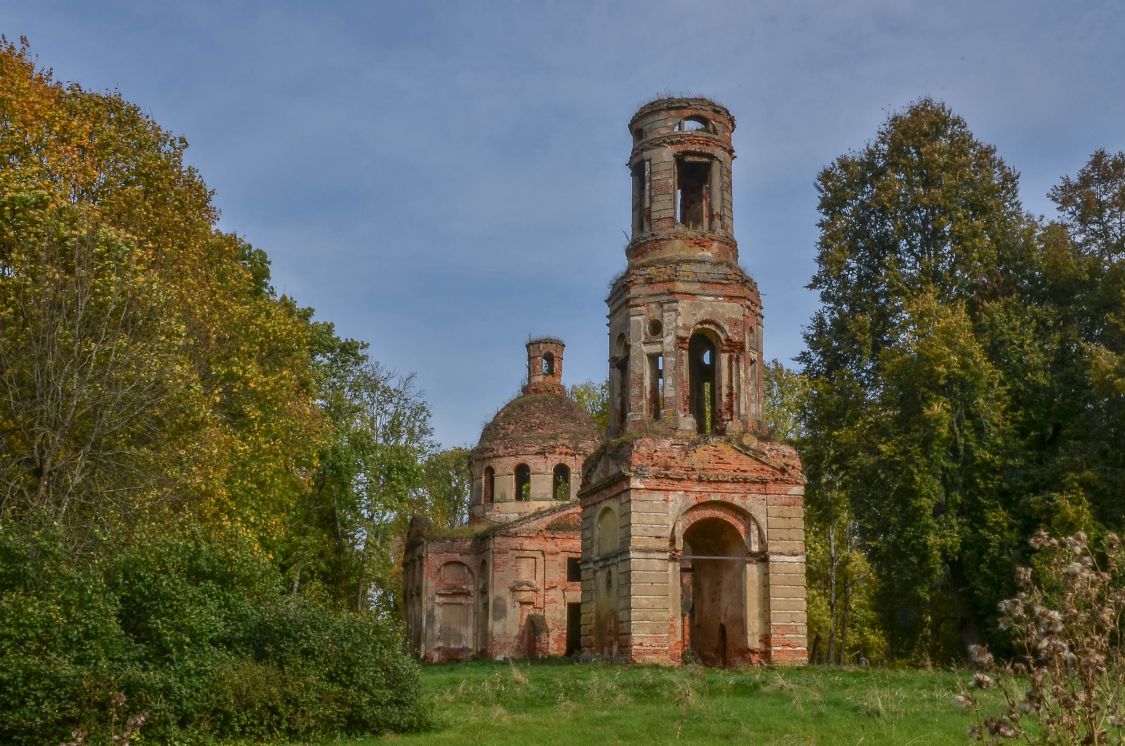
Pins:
<point x="924" y="250"/>
<point x="447" y="487"/>
<point x="176" y="369"/>
<point x="786" y="390"/>
<point x="167" y="426"/>
<point x="100" y="414"/>
<point x="842" y="625"/>
<point x="594" y="398"/>
<point x="1086" y="287"/>
<point x="370" y="478"/>
<point x="1092" y="205"/>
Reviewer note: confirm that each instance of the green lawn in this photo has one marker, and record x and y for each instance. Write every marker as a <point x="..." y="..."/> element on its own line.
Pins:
<point x="564" y="703"/>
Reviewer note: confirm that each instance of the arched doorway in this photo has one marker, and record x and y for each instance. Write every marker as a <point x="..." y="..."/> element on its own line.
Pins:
<point x="713" y="589"/>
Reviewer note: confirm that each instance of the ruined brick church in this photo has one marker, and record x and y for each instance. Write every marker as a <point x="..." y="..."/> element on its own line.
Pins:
<point x="677" y="535"/>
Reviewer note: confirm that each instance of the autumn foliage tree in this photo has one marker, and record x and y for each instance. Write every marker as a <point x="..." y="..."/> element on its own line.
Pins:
<point x="140" y="342"/>
<point x="222" y="469"/>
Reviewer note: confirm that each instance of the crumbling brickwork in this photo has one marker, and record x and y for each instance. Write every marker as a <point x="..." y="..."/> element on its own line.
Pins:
<point x="692" y="527"/>
<point x="681" y="536"/>
<point x="508" y="585"/>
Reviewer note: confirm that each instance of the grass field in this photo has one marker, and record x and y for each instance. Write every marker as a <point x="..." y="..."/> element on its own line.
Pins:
<point x="564" y="703"/>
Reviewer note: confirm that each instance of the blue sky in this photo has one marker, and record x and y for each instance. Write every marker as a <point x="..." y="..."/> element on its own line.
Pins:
<point x="444" y="179"/>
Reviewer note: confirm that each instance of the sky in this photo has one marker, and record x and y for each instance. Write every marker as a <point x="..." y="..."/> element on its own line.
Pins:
<point x="444" y="180"/>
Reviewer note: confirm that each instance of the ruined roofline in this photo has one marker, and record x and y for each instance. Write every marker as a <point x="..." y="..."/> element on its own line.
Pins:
<point x="681" y="102"/>
<point x="547" y="340"/>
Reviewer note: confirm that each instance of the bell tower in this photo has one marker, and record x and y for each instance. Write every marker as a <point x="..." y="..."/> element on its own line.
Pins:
<point x="685" y="320"/>
<point x="692" y="526"/>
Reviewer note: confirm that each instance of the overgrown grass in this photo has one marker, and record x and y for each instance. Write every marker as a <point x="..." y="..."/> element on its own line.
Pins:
<point x="564" y="703"/>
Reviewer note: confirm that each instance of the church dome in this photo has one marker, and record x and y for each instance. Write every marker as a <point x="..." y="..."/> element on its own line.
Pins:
<point x="530" y="454"/>
<point x="539" y="424"/>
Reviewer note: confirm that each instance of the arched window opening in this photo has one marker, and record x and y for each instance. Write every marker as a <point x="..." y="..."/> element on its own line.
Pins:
<point x="562" y="482"/>
<point x="693" y="192"/>
<point x="656" y="385"/>
<point x="702" y="357"/>
<point x="523" y="482"/>
<point x="693" y="124"/>
<point x="655" y="328"/>
<point x="489" y="484"/>
<point x="548" y="364"/>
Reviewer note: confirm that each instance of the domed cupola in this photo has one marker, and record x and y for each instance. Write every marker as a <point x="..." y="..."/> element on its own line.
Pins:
<point x="530" y="455"/>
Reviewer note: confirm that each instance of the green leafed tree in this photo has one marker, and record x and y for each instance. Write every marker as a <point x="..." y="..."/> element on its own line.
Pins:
<point x="593" y="396"/>
<point x="923" y="248"/>
<point x="785" y="394"/>
<point x="842" y="624"/>
<point x="370" y="479"/>
<point x="1086" y="286"/>
<point x="447" y="487"/>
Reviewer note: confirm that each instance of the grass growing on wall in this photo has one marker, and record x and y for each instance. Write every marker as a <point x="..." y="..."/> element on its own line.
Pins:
<point x="505" y="703"/>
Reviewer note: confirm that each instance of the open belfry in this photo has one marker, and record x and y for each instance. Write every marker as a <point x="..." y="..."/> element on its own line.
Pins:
<point x="685" y="540"/>
<point x="692" y="526"/>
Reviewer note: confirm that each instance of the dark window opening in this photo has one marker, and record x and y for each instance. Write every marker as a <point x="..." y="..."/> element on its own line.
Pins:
<point x="562" y="482"/>
<point x="573" y="628"/>
<point x="693" y="193"/>
<point x="523" y="482"/>
<point x="489" y="484"/>
<point x="622" y="367"/>
<point x="642" y="199"/>
<point x="701" y="353"/>
<point x="549" y="364"/>
<point x="656" y="385"/>
<point x="573" y="569"/>
<point x="609" y="580"/>
<point x="655" y="328"/>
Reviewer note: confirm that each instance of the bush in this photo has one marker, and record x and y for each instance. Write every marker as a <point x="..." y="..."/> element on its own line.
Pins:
<point x="191" y="631"/>
<point x="59" y="641"/>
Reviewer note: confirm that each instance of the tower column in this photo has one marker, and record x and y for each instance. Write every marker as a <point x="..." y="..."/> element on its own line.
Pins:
<point x="678" y="544"/>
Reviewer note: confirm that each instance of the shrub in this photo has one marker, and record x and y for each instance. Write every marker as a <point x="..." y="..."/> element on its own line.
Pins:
<point x="191" y="631"/>
<point x="1067" y="618"/>
<point x="59" y="640"/>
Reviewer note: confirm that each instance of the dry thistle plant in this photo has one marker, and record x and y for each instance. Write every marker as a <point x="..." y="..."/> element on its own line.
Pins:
<point x="119" y="733"/>
<point x="1065" y="685"/>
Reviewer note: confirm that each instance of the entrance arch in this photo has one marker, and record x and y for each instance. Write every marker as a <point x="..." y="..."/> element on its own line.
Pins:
<point x="713" y="577"/>
<point x="724" y="592"/>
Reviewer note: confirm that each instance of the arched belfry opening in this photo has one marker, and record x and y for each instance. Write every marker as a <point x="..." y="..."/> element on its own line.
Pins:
<point x="523" y="482"/>
<point x="561" y="482"/>
<point x="703" y="364"/>
<point x="693" y="192"/>
<point x="489" y="487"/>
